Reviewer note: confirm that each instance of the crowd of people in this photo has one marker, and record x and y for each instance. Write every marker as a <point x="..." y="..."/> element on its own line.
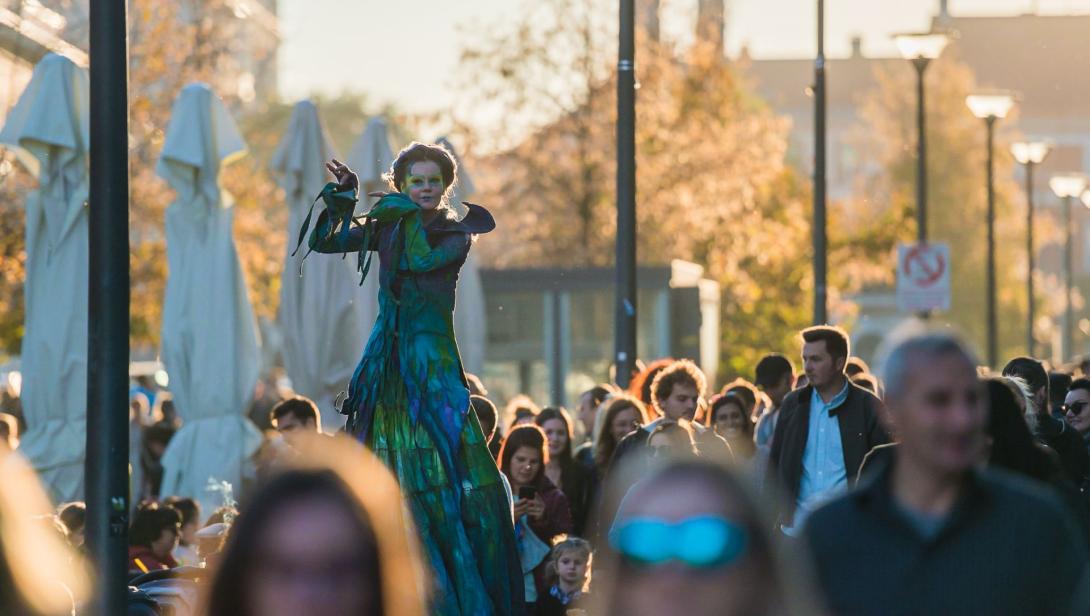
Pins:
<point x="939" y="487"/>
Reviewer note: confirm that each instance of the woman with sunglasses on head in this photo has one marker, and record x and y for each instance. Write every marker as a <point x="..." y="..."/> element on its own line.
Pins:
<point x="688" y="538"/>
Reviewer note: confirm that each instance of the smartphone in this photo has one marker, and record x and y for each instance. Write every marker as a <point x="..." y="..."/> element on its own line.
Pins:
<point x="527" y="493"/>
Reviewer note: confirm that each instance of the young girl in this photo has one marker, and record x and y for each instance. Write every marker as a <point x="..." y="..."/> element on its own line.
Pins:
<point x="568" y="577"/>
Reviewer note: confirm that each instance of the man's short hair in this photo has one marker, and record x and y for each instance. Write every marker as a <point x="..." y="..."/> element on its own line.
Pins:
<point x="771" y="370"/>
<point x="901" y="360"/>
<point x="836" y="339"/>
<point x="299" y="407"/>
<point x="150" y="520"/>
<point x="486" y="414"/>
<point x="681" y="372"/>
<point x="1032" y="372"/>
<point x="1082" y="383"/>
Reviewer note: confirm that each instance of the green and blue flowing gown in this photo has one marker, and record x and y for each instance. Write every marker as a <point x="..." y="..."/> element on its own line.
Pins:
<point x="409" y="402"/>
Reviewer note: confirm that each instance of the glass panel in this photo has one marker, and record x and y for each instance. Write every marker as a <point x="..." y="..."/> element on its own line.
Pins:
<point x="515" y="361"/>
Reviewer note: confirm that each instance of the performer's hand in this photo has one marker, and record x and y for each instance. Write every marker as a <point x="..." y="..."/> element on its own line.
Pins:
<point x="346" y="178"/>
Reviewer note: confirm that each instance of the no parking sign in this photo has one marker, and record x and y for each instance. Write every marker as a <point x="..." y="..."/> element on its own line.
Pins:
<point x="923" y="277"/>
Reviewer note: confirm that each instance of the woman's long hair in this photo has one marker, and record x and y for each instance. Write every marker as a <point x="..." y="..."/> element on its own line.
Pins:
<point x="640" y="387"/>
<point x="1013" y="446"/>
<point x="340" y="471"/>
<point x="723" y="400"/>
<point x="605" y="444"/>
<point x="527" y="435"/>
<point x="556" y="412"/>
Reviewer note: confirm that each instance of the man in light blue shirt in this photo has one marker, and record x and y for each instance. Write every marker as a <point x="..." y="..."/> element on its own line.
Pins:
<point x="823" y="473"/>
<point x="824" y="429"/>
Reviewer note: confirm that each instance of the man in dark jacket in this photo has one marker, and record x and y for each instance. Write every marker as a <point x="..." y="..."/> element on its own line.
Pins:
<point x="1051" y="430"/>
<point x="930" y="533"/>
<point x="824" y="430"/>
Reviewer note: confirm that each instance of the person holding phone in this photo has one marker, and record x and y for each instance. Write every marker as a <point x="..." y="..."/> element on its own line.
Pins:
<point x="541" y="510"/>
<point x="523" y="458"/>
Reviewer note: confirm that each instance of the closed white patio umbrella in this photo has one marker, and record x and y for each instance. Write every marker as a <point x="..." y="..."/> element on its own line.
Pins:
<point x="209" y="338"/>
<point x="370" y="157"/>
<point x="49" y="129"/>
<point x="319" y="313"/>
<point x="469" y="313"/>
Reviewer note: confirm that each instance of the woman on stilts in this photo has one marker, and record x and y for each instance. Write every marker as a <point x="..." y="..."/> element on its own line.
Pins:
<point x="408" y="400"/>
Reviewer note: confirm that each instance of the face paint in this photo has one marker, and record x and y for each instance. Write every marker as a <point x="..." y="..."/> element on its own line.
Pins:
<point x="425" y="186"/>
<point x="415" y="181"/>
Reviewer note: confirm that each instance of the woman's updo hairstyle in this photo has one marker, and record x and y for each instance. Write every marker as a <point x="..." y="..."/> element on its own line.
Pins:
<point x="417" y="152"/>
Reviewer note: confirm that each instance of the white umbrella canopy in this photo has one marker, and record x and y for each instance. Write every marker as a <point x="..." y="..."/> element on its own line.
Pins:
<point x="370" y="157"/>
<point x="319" y="317"/>
<point x="49" y="130"/>
<point x="209" y="338"/>
<point x="469" y="314"/>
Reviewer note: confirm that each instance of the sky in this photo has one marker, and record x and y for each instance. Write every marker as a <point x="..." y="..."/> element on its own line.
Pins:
<point x="335" y="45"/>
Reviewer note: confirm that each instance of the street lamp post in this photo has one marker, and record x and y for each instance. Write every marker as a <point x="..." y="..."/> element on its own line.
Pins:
<point x="625" y="309"/>
<point x="106" y="461"/>
<point x="1067" y="187"/>
<point x="990" y="108"/>
<point x="821" y="302"/>
<point x="1030" y="154"/>
<point x="921" y="49"/>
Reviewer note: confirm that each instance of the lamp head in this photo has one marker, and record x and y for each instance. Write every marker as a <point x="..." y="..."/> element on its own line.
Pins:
<point x="1026" y="152"/>
<point x="921" y="45"/>
<point x="990" y="105"/>
<point x="1068" y="184"/>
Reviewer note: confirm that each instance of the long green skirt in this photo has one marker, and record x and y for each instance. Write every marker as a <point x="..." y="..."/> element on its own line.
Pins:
<point x="467" y="535"/>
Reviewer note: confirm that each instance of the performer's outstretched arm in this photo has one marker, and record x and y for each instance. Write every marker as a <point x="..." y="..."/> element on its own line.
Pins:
<point x="334" y="232"/>
<point x="329" y="236"/>
<point x="422" y="256"/>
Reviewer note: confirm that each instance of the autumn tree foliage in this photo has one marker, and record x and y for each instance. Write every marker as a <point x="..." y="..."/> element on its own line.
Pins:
<point x="713" y="186"/>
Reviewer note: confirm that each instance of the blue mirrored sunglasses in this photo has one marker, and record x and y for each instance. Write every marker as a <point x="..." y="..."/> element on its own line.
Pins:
<point x="701" y="542"/>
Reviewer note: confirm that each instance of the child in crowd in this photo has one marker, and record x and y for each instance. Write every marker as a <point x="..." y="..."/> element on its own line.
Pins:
<point x="568" y="576"/>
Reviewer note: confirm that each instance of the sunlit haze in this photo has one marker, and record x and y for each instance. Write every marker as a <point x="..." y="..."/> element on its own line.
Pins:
<point x="333" y="45"/>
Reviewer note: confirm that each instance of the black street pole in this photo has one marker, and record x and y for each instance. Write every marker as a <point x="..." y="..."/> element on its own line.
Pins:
<point x="1030" y="267"/>
<point x="921" y="160"/>
<point x="107" y="457"/>
<point x="993" y="334"/>
<point x="1068" y="312"/>
<point x="625" y="314"/>
<point x="921" y="152"/>
<point x="821" y="315"/>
